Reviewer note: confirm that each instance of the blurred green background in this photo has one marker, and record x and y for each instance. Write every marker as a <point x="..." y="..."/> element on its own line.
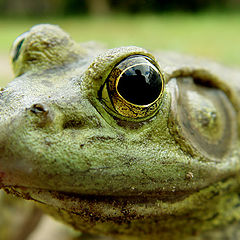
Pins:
<point x="207" y="28"/>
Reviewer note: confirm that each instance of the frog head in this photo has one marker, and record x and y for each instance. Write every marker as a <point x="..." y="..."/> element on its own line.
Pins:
<point x="120" y="141"/>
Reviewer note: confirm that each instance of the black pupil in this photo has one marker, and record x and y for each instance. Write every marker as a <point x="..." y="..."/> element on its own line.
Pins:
<point x="140" y="84"/>
<point x="17" y="50"/>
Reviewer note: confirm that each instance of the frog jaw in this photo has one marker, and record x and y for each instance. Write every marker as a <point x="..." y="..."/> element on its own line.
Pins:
<point x="213" y="206"/>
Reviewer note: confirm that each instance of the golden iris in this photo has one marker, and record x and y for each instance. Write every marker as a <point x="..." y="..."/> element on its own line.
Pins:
<point x="134" y="87"/>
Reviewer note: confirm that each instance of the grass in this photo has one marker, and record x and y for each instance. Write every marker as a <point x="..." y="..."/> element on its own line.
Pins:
<point x="212" y="35"/>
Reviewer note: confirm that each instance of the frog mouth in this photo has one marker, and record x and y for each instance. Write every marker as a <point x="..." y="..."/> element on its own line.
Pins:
<point x="112" y="207"/>
<point x="44" y="195"/>
<point x="67" y="198"/>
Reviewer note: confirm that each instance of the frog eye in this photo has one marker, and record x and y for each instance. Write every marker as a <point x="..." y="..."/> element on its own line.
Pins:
<point x="17" y="45"/>
<point x="134" y="87"/>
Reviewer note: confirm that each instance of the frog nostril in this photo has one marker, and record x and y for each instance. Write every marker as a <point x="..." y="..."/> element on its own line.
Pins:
<point x="39" y="109"/>
<point x="44" y="116"/>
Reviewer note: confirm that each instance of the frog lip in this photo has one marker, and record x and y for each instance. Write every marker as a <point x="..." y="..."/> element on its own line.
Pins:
<point x="92" y="208"/>
<point x="88" y="207"/>
<point x="44" y="196"/>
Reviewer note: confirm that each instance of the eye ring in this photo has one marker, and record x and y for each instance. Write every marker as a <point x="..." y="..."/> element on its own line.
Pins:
<point x="134" y="87"/>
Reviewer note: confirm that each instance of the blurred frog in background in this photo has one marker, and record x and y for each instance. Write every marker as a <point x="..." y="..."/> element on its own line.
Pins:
<point x="120" y="143"/>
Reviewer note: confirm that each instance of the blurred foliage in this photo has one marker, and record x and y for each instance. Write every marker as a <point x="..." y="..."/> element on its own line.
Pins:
<point x="206" y="34"/>
<point x="207" y="28"/>
<point x="103" y="7"/>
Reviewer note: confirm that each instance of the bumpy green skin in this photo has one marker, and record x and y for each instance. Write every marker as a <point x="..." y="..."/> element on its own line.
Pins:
<point x="103" y="173"/>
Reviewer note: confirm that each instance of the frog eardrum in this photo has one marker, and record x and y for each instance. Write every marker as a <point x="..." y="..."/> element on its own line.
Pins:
<point x="202" y="118"/>
<point x="134" y="87"/>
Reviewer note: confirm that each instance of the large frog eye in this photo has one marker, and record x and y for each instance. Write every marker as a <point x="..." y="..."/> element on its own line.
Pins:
<point x="17" y="45"/>
<point x="134" y="87"/>
<point x="203" y="119"/>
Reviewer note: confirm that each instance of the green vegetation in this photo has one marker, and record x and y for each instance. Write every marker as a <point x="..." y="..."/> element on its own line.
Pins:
<point x="212" y="35"/>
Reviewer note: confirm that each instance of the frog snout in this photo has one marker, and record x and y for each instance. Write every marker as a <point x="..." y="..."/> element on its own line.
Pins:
<point x="19" y="131"/>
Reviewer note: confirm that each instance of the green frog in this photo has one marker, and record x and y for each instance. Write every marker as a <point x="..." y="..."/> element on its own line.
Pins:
<point x="122" y="142"/>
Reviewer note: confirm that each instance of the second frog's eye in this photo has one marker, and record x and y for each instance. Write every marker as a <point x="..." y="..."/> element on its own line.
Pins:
<point x="17" y="45"/>
<point x="134" y="87"/>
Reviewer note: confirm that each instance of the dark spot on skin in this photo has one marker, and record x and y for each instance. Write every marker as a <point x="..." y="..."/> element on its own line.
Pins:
<point x="128" y="124"/>
<point x="77" y="123"/>
<point x="72" y="124"/>
<point x="205" y="82"/>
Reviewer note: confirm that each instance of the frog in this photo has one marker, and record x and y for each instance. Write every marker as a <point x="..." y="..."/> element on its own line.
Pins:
<point x="122" y="143"/>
